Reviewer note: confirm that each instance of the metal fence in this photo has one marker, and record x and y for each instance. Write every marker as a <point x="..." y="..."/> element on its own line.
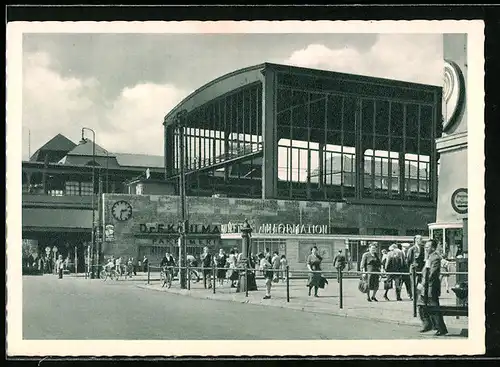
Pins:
<point x="210" y="275"/>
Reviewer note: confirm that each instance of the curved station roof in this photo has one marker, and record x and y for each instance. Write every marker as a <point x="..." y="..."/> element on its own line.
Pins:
<point x="359" y="84"/>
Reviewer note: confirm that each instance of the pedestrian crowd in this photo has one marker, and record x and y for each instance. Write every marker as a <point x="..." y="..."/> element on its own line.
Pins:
<point x="230" y="268"/>
<point x="394" y="269"/>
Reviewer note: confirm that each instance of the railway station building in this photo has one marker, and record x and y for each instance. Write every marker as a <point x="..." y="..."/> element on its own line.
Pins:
<point x="309" y="157"/>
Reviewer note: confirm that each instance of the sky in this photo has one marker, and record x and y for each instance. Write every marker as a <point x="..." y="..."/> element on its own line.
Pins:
<point x="122" y="85"/>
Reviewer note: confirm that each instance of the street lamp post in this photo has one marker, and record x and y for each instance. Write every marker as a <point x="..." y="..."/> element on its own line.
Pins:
<point x="183" y="228"/>
<point x="347" y="255"/>
<point x="246" y="250"/>
<point x="92" y="248"/>
<point x="101" y="220"/>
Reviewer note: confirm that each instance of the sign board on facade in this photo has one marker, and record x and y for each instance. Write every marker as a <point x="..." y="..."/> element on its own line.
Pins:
<point x="293" y="228"/>
<point x="459" y="201"/>
<point x="232" y="227"/>
<point x="278" y="228"/>
<point x="174" y="228"/>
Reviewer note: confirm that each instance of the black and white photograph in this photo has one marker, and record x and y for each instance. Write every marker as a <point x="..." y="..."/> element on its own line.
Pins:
<point x="203" y="188"/>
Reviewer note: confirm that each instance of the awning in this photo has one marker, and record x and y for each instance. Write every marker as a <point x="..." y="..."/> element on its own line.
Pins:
<point x="39" y="218"/>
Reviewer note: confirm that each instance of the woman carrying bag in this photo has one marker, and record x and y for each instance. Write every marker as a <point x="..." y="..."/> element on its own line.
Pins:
<point x="314" y="266"/>
<point x="370" y="263"/>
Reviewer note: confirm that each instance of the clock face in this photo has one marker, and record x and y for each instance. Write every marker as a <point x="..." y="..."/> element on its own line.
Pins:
<point x="121" y="210"/>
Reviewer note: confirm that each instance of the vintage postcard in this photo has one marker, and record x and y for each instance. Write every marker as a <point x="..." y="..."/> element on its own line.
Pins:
<point x="203" y="188"/>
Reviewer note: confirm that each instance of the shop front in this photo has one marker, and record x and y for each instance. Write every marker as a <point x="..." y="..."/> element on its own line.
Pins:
<point x="153" y="240"/>
<point x="42" y="247"/>
<point x="148" y="225"/>
<point x="296" y="240"/>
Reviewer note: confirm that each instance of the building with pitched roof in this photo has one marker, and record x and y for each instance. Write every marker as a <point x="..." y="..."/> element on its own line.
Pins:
<point x="58" y="187"/>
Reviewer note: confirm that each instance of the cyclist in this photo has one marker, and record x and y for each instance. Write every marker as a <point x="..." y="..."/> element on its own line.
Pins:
<point x="110" y="265"/>
<point x="167" y="264"/>
<point x="108" y="268"/>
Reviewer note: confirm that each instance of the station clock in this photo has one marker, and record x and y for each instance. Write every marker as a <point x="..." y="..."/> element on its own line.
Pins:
<point x="121" y="210"/>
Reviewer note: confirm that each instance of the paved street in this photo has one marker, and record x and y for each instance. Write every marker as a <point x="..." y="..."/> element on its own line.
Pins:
<point x="78" y="308"/>
<point x="328" y="302"/>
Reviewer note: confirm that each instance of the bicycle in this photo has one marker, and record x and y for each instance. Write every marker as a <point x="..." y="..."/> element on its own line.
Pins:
<point x="166" y="277"/>
<point x="194" y="276"/>
<point x="111" y="274"/>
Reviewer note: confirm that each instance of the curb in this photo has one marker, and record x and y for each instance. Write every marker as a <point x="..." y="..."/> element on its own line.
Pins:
<point x="281" y="305"/>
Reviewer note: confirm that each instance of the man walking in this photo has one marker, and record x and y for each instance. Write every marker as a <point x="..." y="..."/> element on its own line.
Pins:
<point x="60" y="266"/>
<point x="339" y="263"/>
<point x="266" y="268"/>
<point x="393" y="265"/>
<point x="416" y="257"/>
<point x="206" y="261"/>
<point x="431" y="290"/>
<point x="405" y="268"/>
<point x="275" y="262"/>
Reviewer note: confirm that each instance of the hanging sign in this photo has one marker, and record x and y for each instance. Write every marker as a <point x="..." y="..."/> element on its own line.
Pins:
<point x="109" y="232"/>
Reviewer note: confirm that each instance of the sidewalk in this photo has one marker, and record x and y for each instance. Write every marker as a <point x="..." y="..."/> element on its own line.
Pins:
<point x="355" y="304"/>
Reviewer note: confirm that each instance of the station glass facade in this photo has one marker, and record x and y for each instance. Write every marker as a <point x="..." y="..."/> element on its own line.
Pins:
<point x="336" y="137"/>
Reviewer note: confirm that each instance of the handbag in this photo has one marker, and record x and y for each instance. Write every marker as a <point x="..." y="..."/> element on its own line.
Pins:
<point x="363" y="285"/>
<point x="387" y="284"/>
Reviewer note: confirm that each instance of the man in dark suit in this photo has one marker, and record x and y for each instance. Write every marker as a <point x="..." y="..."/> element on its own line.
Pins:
<point x="339" y="263"/>
<point x="416" y="255"/>
<point x="406" y="279"/>
<point x="394" y="264"/>
<point x="431" y="290"/>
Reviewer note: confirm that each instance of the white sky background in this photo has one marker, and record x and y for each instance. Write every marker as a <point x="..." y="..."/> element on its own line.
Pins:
<point x="122" y="85"/>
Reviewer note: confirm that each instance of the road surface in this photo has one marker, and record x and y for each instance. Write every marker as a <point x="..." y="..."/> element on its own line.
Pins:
<point x="83" y="309"/>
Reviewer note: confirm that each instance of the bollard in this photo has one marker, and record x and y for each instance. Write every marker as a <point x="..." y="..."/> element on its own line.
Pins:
<point x="213" y="277"/>
<point x="288" y="283"/>
<point x="341" y="292"/>
<point x="149" y="274"/>
<point x="246" y="280"/>
<point x="188" y="277"/>
<point x="414" y="289"/>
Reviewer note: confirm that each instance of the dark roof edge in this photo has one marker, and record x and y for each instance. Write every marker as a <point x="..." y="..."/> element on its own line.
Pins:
<point x="89" y="167"/>
<point x="379" y="80"/>
<point x="265" y="65"/>
<point x="212" y="82"/>
<point x="282" y="67"/>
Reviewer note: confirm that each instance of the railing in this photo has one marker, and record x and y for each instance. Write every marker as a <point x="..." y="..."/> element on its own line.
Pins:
<point x="243" y="272"/>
